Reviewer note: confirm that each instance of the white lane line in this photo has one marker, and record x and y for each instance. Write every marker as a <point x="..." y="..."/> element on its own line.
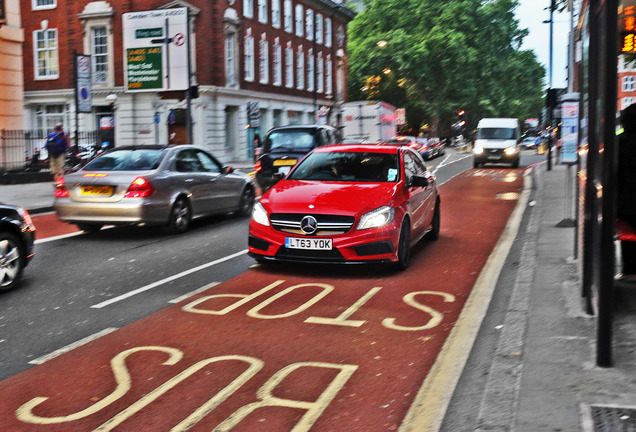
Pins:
<point x="195" y="292"/>
<point x="72" y="346"/>
<point x="60" y="237"/>
<point x="166" y="280"/>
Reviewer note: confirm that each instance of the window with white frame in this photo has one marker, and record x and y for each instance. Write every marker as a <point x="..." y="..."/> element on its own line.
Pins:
<point x="289" y="66"/>
<point x="47" y="116"/>
<point x="329" y="76"/>
<point x="45" y="48"/>
<point x="231" y="65"/>
<point x="626" y="102"/>
<point x="300" y="68"/>
<point x="263" y="63"/>
<point x="299" y="20"/>
<point x="248" y="8"/>
<point x="319" y="29"/>
<point x="249" y="55"/>
<point x="262" y="11"/>
<point x="320" y="74"/>
<point x="288" y="17"/>
<point x="628" y="83"/>
<point x="276" y="13"/>
<point x="311" y="71"/>
<point x="277" y="64"/>
<point x="43" y="4"/>
<point x="309" y="24"/>
<point x="328" y="33"/>
<point x="99" y="54"/>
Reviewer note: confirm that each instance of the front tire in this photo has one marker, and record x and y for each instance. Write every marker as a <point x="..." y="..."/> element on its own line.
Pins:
<point x="12" y="260"/>
<point x="404" y="246"/>
<point x="247" y="202"/>
<point x="180" y="217"/>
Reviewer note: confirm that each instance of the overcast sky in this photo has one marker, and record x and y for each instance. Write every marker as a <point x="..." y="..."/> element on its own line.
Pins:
<point x="531" y="14"/>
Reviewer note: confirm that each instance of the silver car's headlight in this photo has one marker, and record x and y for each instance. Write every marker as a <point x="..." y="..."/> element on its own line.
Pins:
<point x="478" y="150"/>
<point x="511" y="150"/>
<point x="377" y="218"/>
<point x="259" y="214"/>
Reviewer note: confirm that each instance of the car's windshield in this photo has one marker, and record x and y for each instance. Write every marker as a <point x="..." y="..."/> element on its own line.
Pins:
<point x="348" y="167"/>
<point x="126" y="160"/>
<point x="496" y="133"/>
<point x="300" y="141"/>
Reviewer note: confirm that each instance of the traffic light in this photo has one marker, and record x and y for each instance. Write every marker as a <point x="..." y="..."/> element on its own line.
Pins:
<point x="461" y="120"/>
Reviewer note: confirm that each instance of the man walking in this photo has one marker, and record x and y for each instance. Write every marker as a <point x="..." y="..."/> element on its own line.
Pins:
<point x="57" y="142"/>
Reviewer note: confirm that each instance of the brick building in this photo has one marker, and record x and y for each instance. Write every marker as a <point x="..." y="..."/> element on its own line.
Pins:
<point x="283" y="58"/>
<point x="626" y="83"/>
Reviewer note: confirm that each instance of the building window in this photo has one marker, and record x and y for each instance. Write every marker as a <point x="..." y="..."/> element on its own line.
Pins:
<point x="230" y="59"/>
<point x="289" y="66"/>
<point x="263" y="63"/>
<point x="289" y="19"/>
<point x="249" y="56"/>
<point x="277" y="53"/>
<point x="328" y="33"/>
<point x="319" y="29"/>
<point x="320" y="74"/>
<point x="276" y="13"/>
<point x="262" y="11"/>
<point x="46" y="54"/>
<point x="299" y="20"/>
<point x="628" y="83"/>
<point x="626" y="102"/>
<point x="46" y="116"/>
<point x="329" y="76"/>
<point x="300" y="68"/>
<point x="43" y="4"/>
<point x="309" y="23"/>
<point x="311" y="72"/>
<point x="99" y="52"/>
<point x="248" y="8"/>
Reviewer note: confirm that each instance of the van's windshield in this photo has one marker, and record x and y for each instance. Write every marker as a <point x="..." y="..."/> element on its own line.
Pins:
<point x="497" y="133"/>
<point x="290" y="141"/>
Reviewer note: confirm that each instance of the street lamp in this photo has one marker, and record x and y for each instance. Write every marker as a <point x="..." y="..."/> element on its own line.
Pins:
<point x="112" y="102"/>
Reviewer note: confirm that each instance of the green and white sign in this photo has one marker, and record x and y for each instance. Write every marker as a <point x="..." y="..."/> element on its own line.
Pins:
<point x="156" y="50"/>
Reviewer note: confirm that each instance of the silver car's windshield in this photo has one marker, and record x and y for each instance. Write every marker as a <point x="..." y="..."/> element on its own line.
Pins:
<point x="127" y="160"/>
<point x="348" y="167"/>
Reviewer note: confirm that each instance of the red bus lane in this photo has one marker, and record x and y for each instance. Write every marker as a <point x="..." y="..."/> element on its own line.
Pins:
<point x="279" y="348"/>
<point x="48" y="225"/>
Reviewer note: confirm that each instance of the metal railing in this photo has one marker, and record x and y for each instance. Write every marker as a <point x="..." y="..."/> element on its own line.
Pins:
<point x="18" y="147"/>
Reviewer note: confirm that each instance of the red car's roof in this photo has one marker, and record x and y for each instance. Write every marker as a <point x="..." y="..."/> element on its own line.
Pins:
<point x="372" y="148"/>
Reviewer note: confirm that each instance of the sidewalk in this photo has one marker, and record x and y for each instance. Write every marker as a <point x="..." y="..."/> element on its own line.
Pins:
<point x="532" y="367"/>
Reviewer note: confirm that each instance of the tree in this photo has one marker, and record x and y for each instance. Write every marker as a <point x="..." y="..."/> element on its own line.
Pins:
<point x="444" y="55"/>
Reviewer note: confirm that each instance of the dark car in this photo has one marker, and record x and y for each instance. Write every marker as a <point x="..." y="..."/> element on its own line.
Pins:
<point x="284" y="146"/>
<point x="348" y="204"/>
<point x="17" y="235"/>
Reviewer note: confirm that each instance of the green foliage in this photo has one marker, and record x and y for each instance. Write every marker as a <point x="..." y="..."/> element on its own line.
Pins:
<point x="444" y="55"/>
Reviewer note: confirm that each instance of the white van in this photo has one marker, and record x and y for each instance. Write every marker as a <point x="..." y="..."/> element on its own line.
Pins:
<point x="497" y="142"/>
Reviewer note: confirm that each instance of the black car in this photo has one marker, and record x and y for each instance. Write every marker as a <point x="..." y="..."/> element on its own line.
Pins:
<point x="286" y="145"/>
<point x="17" y="235"/>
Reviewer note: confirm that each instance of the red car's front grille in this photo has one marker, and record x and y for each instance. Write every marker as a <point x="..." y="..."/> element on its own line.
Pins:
<point x="326" y="224"/>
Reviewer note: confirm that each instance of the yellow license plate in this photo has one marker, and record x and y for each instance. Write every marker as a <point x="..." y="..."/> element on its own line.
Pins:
<point x="285" y="162"/>
<point x="97" y="190"/>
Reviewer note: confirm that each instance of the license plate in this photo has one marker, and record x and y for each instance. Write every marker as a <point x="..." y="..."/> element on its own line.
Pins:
<point x="97" y="190"/>
<point x="494" y="157"/>
<point x="308" y="243"/>
<point x="285" y="162"/>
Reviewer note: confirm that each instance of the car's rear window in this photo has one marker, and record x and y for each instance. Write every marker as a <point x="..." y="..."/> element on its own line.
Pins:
<point x="127" y="160"/>
<point x="290" y="141"/>
<point x="348" y="167"/>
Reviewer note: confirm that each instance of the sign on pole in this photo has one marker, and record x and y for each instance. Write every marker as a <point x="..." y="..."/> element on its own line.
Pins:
<point x="400" y="116"/>
<point x="569" y="132"/>
<point x="156" y="50"/>
<point x="254" y="114"/>
<point x="83" y="84"/>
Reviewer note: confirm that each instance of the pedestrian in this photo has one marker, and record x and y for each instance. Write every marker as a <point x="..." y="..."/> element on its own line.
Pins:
<point x="256" y="146"/>
<point x="626" y="202"/>
<point x="57" y="142"/>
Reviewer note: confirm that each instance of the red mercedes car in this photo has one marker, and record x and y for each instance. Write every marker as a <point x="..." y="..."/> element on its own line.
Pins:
<point x="348" y="204"/>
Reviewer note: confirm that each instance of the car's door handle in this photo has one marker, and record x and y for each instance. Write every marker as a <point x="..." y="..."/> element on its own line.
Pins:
<point x="189" y="180"/>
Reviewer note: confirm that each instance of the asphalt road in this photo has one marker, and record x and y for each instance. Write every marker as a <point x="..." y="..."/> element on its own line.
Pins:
<point x="84" y="285"/>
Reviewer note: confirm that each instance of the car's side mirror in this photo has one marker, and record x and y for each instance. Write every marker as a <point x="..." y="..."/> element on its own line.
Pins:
<point x="228" y="169"/>
<point x="279" y="176"/>
<point x="418" y="181"/>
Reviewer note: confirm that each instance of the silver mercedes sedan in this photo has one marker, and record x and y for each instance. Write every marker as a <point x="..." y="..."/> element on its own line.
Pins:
<point x="152" y="185"/>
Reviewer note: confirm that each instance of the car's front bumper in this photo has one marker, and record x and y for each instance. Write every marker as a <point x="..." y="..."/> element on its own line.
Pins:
<point x="372" y="245"/>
